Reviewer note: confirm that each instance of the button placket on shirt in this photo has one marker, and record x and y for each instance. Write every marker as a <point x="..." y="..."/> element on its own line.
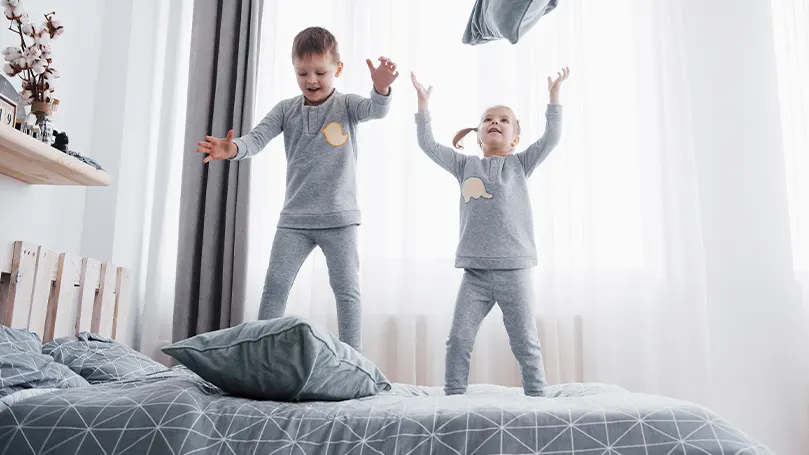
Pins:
<point x="311" y="120"/>
<point x="494" y="169"/>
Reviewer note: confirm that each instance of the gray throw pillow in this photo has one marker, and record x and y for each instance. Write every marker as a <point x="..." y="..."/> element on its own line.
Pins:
<point x="24" y="366"/>
<point x="99" y="359"/>
<point x="286" y="359"/>
<point x="498" y="19"/>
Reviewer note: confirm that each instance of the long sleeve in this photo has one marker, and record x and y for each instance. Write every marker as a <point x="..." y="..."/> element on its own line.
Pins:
<point x="539" y="150"/>
<point x="254" y="142"/>
<point x="362" y="109"/>
<point x="444" y="156"/>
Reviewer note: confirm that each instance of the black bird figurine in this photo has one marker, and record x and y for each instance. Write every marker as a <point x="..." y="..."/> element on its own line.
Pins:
<point x="60" y="141"/>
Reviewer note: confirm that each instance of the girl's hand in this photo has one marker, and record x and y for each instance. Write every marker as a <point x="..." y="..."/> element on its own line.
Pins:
<point x="218" y="149"/>
<point x="555" y="85"/>
<point x="423" y="94"/>
<point x="383" y="75"/>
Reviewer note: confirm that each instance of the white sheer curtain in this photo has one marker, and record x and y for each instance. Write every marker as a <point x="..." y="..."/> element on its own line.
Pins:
<point x="791" y="27"/>
<point x="621" y="285"/>
<point x="791" y="24"/>
<point x="164" y="153"/>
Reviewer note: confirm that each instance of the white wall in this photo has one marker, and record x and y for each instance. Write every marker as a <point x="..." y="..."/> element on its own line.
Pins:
<point x="110" y="98"/>
<point x="48" y="215"/>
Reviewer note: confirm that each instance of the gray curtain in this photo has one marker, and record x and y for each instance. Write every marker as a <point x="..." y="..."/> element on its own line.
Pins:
<point x="212" y="260"/>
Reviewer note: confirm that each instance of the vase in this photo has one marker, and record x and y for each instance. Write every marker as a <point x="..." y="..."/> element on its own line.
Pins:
<point x="44" y="124"/>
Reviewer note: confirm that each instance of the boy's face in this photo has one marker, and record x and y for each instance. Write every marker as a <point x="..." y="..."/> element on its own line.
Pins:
<point x="316" y="75"/>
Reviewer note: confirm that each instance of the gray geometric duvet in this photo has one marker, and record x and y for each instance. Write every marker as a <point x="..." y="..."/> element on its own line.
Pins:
<point x="176" y="413"/>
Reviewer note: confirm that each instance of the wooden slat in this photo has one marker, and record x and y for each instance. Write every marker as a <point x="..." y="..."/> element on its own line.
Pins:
<point x="123" y="291"/>
<point x="104" y="304"/>
<point x="88" y="283"/>
<point x="58" y="295"/>
<point x="45" y="267"/>
<point x="4" y="284"/>
<point x="62" y="306"/>
<point x="6" y="253"/>
<point x="17" y="306"/>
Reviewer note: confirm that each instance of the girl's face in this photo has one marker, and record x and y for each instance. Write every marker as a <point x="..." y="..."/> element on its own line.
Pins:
<point x="497" y="133"/>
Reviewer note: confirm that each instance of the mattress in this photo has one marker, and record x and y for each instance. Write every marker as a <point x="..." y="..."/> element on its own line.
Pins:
<point x="177" y="412"/>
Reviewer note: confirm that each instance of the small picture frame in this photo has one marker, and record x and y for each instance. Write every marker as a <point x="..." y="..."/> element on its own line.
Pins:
<point x="8" y="111"/>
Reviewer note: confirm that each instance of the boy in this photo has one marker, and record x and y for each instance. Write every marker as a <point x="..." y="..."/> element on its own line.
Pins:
<point x="320" y="207"/>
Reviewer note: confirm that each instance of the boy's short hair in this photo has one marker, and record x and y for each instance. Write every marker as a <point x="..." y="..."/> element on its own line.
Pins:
<point x="315" y="41"/>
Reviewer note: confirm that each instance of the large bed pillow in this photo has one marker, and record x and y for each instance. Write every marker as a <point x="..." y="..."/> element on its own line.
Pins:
<point x="24" y="366"/>
<point x="99" y="359"/>
<point x="510" y="19"/>
<point x="285" y="359"/>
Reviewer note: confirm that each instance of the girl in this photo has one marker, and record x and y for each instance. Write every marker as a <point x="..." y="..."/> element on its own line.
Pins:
<point x="496" y="247"/>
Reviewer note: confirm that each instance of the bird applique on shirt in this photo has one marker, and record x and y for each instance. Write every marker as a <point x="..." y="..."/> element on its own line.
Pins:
<point x="333" y="132"/>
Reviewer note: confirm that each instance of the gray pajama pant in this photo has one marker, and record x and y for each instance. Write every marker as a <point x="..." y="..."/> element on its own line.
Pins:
<point x="513" y="291"/>
<point x="290" y="249"/>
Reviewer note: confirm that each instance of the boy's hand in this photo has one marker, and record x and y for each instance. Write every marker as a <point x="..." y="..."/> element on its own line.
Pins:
<point x="555" y="85"/>
<point x="423" y="94"/>
<point x="218" y="149"/>
<point x="384" y="75"/>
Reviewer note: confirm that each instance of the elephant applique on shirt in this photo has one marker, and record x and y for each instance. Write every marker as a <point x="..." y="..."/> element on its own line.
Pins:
<point x="474" y="188"/>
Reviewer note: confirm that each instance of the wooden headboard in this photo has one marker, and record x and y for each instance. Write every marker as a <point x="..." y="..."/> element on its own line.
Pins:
<point x="57" y="294"/>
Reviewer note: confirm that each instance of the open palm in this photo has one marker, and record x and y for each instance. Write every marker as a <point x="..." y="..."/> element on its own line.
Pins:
<point x="383" y="75"/>
<point x="217" y="149"/>
<point x="555" y="85"/>
<point x="422" y="93"/>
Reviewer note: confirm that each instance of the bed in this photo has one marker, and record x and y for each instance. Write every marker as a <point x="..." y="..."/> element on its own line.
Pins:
<point x="176" y="412"/>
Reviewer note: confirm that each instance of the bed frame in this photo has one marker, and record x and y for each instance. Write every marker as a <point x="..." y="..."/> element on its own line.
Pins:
<point x="58" y="294"/>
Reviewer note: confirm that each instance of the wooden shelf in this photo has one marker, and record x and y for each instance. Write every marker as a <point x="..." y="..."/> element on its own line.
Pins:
<point x="31" y="161"/>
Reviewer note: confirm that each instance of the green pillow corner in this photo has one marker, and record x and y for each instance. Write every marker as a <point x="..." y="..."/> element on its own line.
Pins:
<point x="286" y="359"/>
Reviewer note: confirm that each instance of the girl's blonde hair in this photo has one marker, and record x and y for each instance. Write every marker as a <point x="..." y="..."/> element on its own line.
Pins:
<point x="456" y="141"/>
